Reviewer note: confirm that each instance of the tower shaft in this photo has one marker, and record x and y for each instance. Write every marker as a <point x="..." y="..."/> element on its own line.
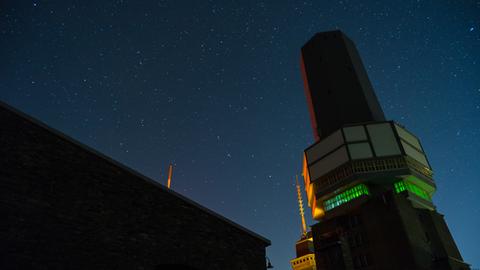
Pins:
<point x="368" y="180"/>
<point x="336" y="84"/>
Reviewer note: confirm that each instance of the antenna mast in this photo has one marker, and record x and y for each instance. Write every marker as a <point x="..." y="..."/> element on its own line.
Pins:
<point x="300" y="206"/>
<point x="170" y="172"/>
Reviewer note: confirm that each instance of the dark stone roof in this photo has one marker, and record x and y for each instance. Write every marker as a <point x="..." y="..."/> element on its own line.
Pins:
<point x="131" y="171"/>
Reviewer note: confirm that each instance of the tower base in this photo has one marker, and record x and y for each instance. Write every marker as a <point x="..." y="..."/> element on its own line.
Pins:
<point x="354" y="236"/>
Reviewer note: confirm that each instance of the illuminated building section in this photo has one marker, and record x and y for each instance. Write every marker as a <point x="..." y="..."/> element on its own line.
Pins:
<point x="305" y="259"/>
<point x="317" y="211"/>
<point x="346" y="196"/>
<point x="368" y="180"/>
<point x="306" y="262"/>
<point x="365" y="153"/>
<point x="402" y="186"/>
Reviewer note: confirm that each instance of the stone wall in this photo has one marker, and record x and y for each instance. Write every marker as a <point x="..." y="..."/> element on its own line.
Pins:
<point x="64" y="206"/>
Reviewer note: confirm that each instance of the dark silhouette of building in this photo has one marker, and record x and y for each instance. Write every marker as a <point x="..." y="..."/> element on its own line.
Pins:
<point x="66" y="206"/>
<point x="368" y="180"/>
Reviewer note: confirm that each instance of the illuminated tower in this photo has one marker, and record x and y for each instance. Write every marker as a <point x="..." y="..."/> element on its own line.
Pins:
<point x="305" y="259"/>
<point x="368" y="181"/>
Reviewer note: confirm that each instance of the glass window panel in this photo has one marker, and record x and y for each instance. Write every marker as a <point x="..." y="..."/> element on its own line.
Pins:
<point x="402" y="186"/>
<point x="355" y="133"/>
<point x="346" y="196"/>
<point x="415" y="154"/>
<point x="328" y="163"/>
<point x="360" y="150"/>
<point x="383" y="140"/>
<point x="323" y="147"/>
<point x="407" y="136"/>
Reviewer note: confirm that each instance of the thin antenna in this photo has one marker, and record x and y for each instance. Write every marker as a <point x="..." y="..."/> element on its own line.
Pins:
<point x="300" y="206"/>
<point x="170" y="172"/>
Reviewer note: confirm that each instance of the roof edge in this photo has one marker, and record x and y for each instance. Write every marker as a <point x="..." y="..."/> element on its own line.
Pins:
<point x="87" y="148"/>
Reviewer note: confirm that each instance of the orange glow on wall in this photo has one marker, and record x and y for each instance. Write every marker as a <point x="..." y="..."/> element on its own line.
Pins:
<point x="317" y="211"/>
<point x="306" y="87"/>
<point x="306" y="181"/>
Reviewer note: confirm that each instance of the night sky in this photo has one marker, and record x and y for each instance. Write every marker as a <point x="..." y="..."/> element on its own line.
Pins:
<point x="215" y="88"/>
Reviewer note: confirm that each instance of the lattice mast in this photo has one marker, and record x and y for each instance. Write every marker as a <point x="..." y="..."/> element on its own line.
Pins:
<point x="300" y="206"/>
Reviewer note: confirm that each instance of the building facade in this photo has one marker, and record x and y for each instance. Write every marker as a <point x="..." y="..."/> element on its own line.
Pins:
<point x="66" y="206"/>
<point x="368" y="180"/>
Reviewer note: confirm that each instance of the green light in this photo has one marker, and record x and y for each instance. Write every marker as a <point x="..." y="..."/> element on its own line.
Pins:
<point x="402" y="186"/>
<point x="346" y="196"/>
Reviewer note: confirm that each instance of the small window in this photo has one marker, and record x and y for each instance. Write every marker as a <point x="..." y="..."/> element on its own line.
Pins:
<point x="357" y="262"/>
<point x="353" y="221"/>
<point x="364" y="261"/>
<point x="358" y="239"/>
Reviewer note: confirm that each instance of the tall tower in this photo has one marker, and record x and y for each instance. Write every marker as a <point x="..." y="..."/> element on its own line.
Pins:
<point x="305" y="259"/>
<point x="368" y="181"/>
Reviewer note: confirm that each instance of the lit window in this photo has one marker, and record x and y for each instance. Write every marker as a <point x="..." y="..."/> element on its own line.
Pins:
<point x="402" y="186"/>
<point x="346" y="196"/>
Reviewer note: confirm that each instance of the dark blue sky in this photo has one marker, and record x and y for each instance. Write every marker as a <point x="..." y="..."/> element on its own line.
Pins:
<point x="215" y="87"/>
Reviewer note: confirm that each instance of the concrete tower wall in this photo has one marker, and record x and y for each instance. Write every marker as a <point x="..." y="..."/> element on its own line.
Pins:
<point x="337" y="84"/>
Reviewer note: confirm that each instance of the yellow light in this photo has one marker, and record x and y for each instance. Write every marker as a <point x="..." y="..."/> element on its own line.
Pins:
<point x="306" y="180"/>
<point x="317" y="211"/>
<point x="306" y="262"/>
<point x="170" y="172"/>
